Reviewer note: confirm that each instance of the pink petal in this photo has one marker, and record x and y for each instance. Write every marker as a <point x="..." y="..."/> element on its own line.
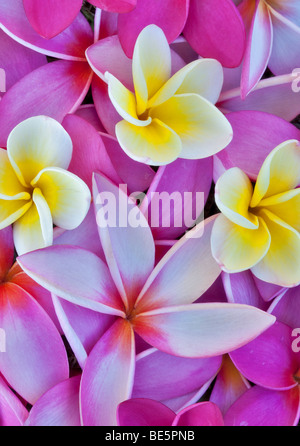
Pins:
<point x="229" y="385"/>
<point x="201" y="414"/>
<point x="182" y="275"/>
<point x="33" y="94"/>
<point x="120" y="6"/>
<point x="122" y="239"/>
<point x="191" y="187"/>
<point x="258" y="48"/>
<point x="70" y="44"/>
<point x="35" y="358"/>
<point x="169" y="15"/>
<point x="137" y="176"/>
<point x="74" y="274"/>
<point x="108" y="375"/>
<point x="88" y="112"/>
<point x="17" y="60"/>
<point x="241" y="289"/>
<point x="286" y="307"/>
<point x="144" y="412"/>
<point x="263" y="407"/>
<point x="89" y="152"/>
<point x="6" y="251"/>
<point x="215" y="30"/>
<point x="256" y="134"/>
<point x="12" y="411"/>
<point x="215" y="292"/>
<point x="57" y="407"/>
<point x="107" y="113"/>
<point x="267" y="290"/>
<point x="269" y="360"/>
<point x="49" y="19"/>
<point x="177" y="377"/>
<point x="201" y="330"/>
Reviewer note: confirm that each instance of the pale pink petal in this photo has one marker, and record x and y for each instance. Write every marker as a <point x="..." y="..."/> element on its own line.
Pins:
<point x="144" y="412"/>
<point x="34" y="94"/>
<point x="258" y="48"/>
<point x="215" y="29"/>
<point x="269" y="360"/>
<point x="202" y="330"/>
<point x="74" y="274"/>
<point x="201" y="414"/>
<point x="184" y="273"/>
<point x="57" y="407"/>
<point x="32" y="344"/>
<point x="169" y="15"/>
<point x="241" y="289"/>
<point x="108" y="376"/>
<point x="255" y="135"/>
<point x="70" y="44"/>
<point x="12" y="411"/>
<point x="122" y="236"/>
<point x="263" y="407"/>
<point x="49" y="19"/>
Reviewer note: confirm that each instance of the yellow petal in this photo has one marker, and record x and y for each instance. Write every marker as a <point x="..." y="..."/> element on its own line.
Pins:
<point x="67" y="196"/>
<point x="155" y="144"/>
<point x="10" y="186"/>
<point x="124" y="101"/>
<point x="202" y="128"/>
<point x="286" y="206"/>
<point x="36" y="143"/>
<point x="151" y="64"/>
<point x="281" y="264"/>
<point x="279" y="173"/>
<point x="34" y="230"/>
<point x="202" y="76"/>
<point x="236" y="248"/>
<point x="233" y="194"/>
<point x="11" y="210"/>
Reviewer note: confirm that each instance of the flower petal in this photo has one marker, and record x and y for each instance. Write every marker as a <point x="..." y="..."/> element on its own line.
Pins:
<point x="201" y="330"/>
<point x="108" y="376"/>
<point x="10" y="186"/>
<point x="241" y="289"/>
<point x="202" y="128"/>
<point x="6" y="250"/>
<point x="120" y="6"/>
<point x="200" y="414"/>
<point x="144" y="412"/>
<point x="236" y="248"/>
<point x="13" y="413"/>
<point x="286" y="206"/>
<point x="12" y="210"/>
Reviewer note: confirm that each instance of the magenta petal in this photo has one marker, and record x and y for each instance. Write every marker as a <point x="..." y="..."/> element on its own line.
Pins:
<point x="122" y="236"/>
<point x="177" y="377"/>
<point x="34" y="94"/>
<point x="263" y="407"/>
<point x="35" y="358"/>
<point x="144" y="412"/>
<point x="269" y="360"/>
<point x="70" y="44"/>
<point x="255" y="135"/>
<point x="12" y="411"/>
<point x="267" y="290"/>
<point x="57" y="407"/>
<point x="89" y="152"/>
<point x="258" y="48"/>
<point x="169" y="15"/>
<point x="108" y="375"/>
<point x="201" y="414"/>
<point x="6" y="250"/>
<point x="107" y="113"/>
<point x="190" y="190"/>
<point x="51" y="18"/>
<point x="241" y="289"/>
<point x="215" y="29"/>
<point x="88" y="112"/>
<point x="286" y="307"/>
<point x="120" y="6"/>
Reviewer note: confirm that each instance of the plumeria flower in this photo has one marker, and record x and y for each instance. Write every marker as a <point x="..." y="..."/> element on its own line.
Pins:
<point x="168" y="117"/>
<point x="259" y="228"/>
<point x="12" y="411"/>
<point x="156" y="303"/>
<point x="36" y="190"/>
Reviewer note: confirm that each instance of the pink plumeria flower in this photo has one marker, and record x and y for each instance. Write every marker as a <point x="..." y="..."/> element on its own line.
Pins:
<point x="156" y="303"/>
<point x="146" y="412"/>
<point x="258" y="228"/>
<point x="32" y="356"/>
<point x="12" y="411"/>
<point x="269" y="362"/>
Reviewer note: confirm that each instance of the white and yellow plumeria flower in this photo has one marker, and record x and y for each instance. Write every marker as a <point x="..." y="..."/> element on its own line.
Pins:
<point x="168" y="117"/>
<point x="36" y="190"/>
<point x="259" y="228"/>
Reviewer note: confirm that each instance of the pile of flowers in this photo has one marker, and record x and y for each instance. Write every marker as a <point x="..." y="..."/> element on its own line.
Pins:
<point x="149" y="213"/>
